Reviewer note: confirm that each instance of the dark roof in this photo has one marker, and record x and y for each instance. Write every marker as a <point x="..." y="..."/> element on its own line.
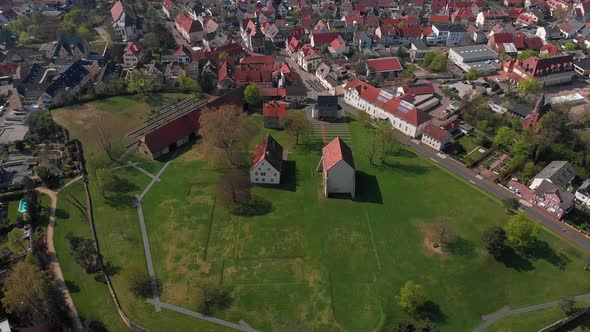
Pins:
<point x="271" y="151"/>
<point x="327" y="100"/>
<point x="566" y="198"/>
<point x="69" y="78"/>
<point x="583" y="63"/>
<point x="449" y="27"/>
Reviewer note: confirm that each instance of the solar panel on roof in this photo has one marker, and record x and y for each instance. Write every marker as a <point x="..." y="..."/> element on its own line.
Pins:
<point x="385" y="94"/>
<point x="406" y="104"/>
<point x="381" y="99"/>
<point x="402" y="109"/>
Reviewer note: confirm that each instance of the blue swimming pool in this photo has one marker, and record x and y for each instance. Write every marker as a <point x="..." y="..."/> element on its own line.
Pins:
<point x="22" y="206"/>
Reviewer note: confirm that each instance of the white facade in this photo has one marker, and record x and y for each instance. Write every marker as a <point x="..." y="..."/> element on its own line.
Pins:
<point x="264" y="173"/>
<point x="340" y="179"/>
<point x="351" y="97"/>
<point x="433" y="142"/>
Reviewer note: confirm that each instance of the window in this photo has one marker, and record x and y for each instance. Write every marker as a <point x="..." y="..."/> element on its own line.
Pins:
<point x="263" y="174"/>
<point x="256" y="179"/>
<point x="268" y="169"/>
<point x="272" y="180"/>
<point x="255" y="173"/>
<point x="262" y="179"/>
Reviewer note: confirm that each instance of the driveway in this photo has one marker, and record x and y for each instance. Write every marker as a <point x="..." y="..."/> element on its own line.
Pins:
<point x="313" y="85"/>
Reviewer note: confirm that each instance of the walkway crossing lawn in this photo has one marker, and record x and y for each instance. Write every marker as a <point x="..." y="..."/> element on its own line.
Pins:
<point x="327" y="131"/>
<point x="324" y="264"/>
<point x="530" y="321"/>
<point x="337" y="263"/>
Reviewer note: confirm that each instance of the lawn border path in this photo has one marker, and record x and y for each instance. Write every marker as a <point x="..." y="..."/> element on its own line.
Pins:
<point x="242" y="326"/>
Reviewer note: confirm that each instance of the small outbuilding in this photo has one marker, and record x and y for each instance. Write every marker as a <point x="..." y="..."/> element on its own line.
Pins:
<point x="267" y="162"/>
<point x="337" y="167"/>
<point x="272" y="112"/>
<point x="327" y="108"/>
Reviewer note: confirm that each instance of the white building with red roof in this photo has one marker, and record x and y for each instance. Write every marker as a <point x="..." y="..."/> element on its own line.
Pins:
<point x="267" y="162"/>
<point x="308" y="58"/>
<point x="167" y="7"/>
<point x="381" y="104"/>
<point x="384" y="66"/>
<point x="549" y="71"/>
<point x="338" y="169"/>
<point x="134" y="53"/>
<point x="191" y="30"/>
<point x="124" y="22"/>
<point x="435" y="137"/>
<point x="489" y="18"/>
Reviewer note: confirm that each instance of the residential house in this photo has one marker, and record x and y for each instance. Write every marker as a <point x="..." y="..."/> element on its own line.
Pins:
<point x="582" y="67"/>
<point x="133" y="55"/>
<point x="338" y="169"/>
<point x="384" y="66"/>
<point x="463" y="16"/>
<point x="67" y="49"/>
<point x="436" y="137"/>
<point x="421" y="95"/>
<point x="548" y="33"/>
<point x="381" y="104"/>
<point x="560" y="173"/>
<point x="324" y="38"/>
<point x="124" y="22"/>
<point x="548" y="71"/>
<point x="252" y="36"/>
<point x="477" y="35"/>
<point x="267" y="162"/>
<point x="418" y="50"/>
<point x="308" y="58"/>
<point x="361" y="40"/>
<point x="337" y="47"/>
<point x="191" y="30"/>
<point x="583" y="193"/>
<point x="503" y="42"/>
<point x="273" y="111"/>
<point x="327" y="108"/>
<point x="570" y="29"/>
<point x="489" y="18"/>
<point x="327" y="77"/>
<point x="168" y="7"/>
<point x="547" y="196"/>
<point x="446" y="34"/>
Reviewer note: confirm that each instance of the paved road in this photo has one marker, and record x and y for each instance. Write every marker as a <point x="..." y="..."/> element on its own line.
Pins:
<point x="489" y="187"/>
<point x="54" y="265"/>
<point x="504" y="312"/>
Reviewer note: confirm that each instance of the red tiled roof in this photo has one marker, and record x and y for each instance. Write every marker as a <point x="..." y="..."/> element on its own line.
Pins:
<point x="539" y="67"/>
<point x="435" y="132"/>
<point x="534" y="43"/>
<point x="418" y="89"/>
<point x="439" y="19"/>
<point x="550" y="49"/>
<point x="411" y="32"/>
<point x="117" y="10"/>
<point x="271" y="151"/>
<point x="258" y="59"/>
<point x="187" y="24"/>
<point x="394" y="106"/>
<point x="384" y="64"/>
<point x="272" y="92"/>
<point x="463" y="13"/>
<point x="253" y="76"/>
<point x="168" y="4"/>
<point x="8" y="69"/>
<point x="274" y="108"/>
<point x="324" y="38"/>
<point x="160" y="138"/>
<point x="411" y="20"/>
<point x="427" y="31"/>
<point x="334" y="152"/>
<point x="351" y="19"/>
<point x="133" y="48"/>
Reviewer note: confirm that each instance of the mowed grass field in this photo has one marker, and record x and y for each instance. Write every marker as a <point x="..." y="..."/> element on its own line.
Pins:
<point x="115" y="117"/>
<point x="531" y="321"/>
<point x="317" y="263"/>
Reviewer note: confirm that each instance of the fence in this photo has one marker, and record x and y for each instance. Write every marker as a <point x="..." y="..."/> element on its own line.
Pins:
<point x="560" y="323"/>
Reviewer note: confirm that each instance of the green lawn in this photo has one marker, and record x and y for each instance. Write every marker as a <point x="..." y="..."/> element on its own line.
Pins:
<point x="530" y="321"/>
<point x="115" y="116"/>
<point x="326" y="264"/>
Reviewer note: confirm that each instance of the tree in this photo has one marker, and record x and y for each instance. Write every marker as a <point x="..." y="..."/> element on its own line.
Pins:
<point x="412" y="297"/>
<point x="214" y="299"/>
<point x="561" y="13"/>
<point x="105" y="180"/>
<point x="139" y="81"/>
<point x="386" y="138"/>
<point x="327" y="14"/>
<point x="30" y="294"/>
<point x="568" y="306"/>
<point x="522" y="232"/>
<point x="295" y="123"/>
<point x="361" y="68"/>
<point x="224" y="129"/>
<point x="151" y="41"/>
<point x="188" y="84"/>
<point x="426" y="325"/>
<point x="528" y="85"/>
<point x="428" y="58"/>
<point x="106" y="142"/>
<point x="233" y="188"/>
<point x="24" y="37"/>
<point x="15" y="241"/>
<point x="527" y="54"/>
<point x="371" y="147"/>
<point x="365" y="119"/>
<point x="252" y="95"/>
<point x="84" y="252"/>
<point x="439" y="63"/>
<point x="142" y="287"/>
<point x="570" y="46"/>
<point x="445" y="232"/>
<point x="510" y="204"/>
<point x="471" y="74"/>
<point x="504" y="136"/>
<point x="495" y="241"/>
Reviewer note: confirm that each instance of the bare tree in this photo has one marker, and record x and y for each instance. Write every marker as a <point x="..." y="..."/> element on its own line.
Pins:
<point x="233" y="188"/>
<point x="386" y="140"/>
<point x="371" y="148"/>
<point x="75" y="202"/>
<point x="445" y="232"/>
<point x="225" y="129"/>
<point x="106" y="143"/>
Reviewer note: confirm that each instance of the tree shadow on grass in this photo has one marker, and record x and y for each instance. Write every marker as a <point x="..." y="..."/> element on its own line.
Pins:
<point x="72" y="286"/>
<point x="432" y="311"/>
<point x="405" y="153"/>
<point x="462" y="247"/>
<point x="367" y="188"/>
<point x="513" y="260"/>
<point x="310" y="147"/>
<point x="542" y="250"/>
<point x="125" y="186"/>
<point x="117" y="200"/>
<point x="61" y="213"/>
<point x="410" y="169"/>
<point x="110" y="269"/>
<point x="256" y="206"/>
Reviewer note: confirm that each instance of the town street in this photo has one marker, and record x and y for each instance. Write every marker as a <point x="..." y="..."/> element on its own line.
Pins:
<point x="494" y="189"/>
